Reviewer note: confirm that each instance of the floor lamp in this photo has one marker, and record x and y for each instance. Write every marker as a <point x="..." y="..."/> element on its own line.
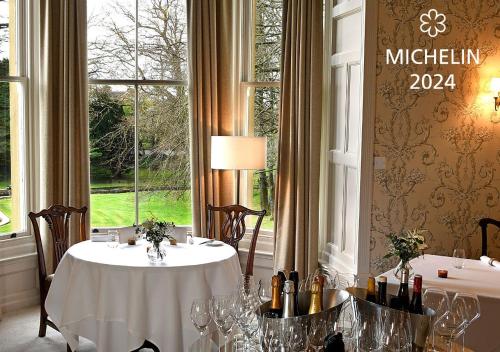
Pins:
<point x="238" y="153"/>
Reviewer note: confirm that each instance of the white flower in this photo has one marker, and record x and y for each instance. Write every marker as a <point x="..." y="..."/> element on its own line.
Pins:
<point x="432" y="23"/>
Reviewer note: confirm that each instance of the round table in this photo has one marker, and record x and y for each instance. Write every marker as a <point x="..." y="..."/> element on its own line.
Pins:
<point x="117" y="299"/>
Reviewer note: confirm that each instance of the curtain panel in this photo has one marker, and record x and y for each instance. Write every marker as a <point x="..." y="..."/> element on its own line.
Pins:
<point x="297" y="188"/>
<point x="212" y="53"/>
<point x="63" y="134"/>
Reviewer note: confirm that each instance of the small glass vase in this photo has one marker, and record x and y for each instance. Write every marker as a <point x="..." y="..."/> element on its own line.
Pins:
<point x="157" y="254"/>
<point x="401" y="265"/>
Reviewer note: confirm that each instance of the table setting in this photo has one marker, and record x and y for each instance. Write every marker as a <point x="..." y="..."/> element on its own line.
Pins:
<point x="120" y="292"/>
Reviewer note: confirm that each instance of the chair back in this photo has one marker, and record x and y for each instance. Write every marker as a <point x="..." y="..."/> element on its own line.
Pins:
<point x="484" y="232"/>
<point x="58" y="220"/>
<point x="233" y="227"/>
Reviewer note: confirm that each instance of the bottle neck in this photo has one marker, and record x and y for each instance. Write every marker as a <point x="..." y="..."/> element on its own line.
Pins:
<point x="417" y="285"/>
<point x="275" y="298"/>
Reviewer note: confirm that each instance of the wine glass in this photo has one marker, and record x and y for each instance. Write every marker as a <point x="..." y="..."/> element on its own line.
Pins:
<point x="467" y="306"/>
<point x="316" y="334"/>
<point x="437" y="300"/>
<point x="459" y="258"/>
<point x="220" y="311"/>
<point x="346" y="323"/>
<point x="396" y="331"/>
<point x="200" y="315"/>
<point x="265" y="291"/>
<point x="245" y="309"/>
<point x="114" y="238"/>
<point x="368" y="329"/>
<point x="449" y="327"/>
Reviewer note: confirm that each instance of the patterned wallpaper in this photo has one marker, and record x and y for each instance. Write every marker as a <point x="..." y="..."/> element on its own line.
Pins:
<point x="442" y="147"/>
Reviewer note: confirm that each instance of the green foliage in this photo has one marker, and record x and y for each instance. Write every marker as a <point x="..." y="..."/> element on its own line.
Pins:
<point x="407" y="245"/>
<point x="156" y="231"/>
<point x="4" y="123"/>
<point x="111" y="137"/>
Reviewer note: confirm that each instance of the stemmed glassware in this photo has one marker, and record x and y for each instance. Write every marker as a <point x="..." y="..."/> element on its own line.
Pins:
<point x="200" y="315"/>
<point x="220" y="311"/>
<point x="467" y="306"/>
<point x="459" y="258"/>
<point x="396" y="331"/>
<point x="245" y="310"/>
<point x="316" y="334"/>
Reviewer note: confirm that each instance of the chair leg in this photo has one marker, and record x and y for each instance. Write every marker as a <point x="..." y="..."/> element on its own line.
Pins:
<point x="43" y="323"/>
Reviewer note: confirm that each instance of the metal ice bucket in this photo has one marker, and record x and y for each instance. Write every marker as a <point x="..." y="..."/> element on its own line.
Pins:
<point x="333" y="300"/>
<point x="420" y="324"/>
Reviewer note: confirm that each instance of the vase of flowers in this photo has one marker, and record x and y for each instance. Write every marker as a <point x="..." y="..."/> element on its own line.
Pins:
<point x="156" y="232"/>
<point x="406" y="246"/>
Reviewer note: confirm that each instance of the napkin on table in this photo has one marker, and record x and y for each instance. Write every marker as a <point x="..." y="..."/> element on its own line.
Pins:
<point x="490" y="261"/>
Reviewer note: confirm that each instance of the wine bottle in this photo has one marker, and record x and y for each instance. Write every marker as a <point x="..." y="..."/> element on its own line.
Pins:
<point x="316" y="304"/>
<point x="370" y="291"/>
<point x="288" y="299"/>
<point x="275" y="310"/>
<point x="294" y="276"/>
<point x="382" y="291"/>
<point x="416" y="300"/>
<point x="403" y="294"/>
<point x="282" y="276"/>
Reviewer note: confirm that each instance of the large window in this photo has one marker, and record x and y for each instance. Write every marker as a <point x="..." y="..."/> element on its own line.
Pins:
<point x="260" y="91"/>
<point x="13" y="90"/>
<point x="138" y="111"/>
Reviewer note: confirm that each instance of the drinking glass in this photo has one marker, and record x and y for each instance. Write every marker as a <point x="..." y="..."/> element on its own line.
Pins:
<point x="467" y="306"/>
<point x="437" y="300"/>
<point x="368" y="330"/>
<point x="316" y="334"/>
<point x="346" y="323"/>
<point x="200" y="315"/>
<point x="245" y="309"/>
<point x="396" y="331"/>
<point x="220" y="311"/>
<point x="265" y="291"/>
<point x="459" y="258"/>
<point x="114" y="238"/>
<point x="448" y="327"/>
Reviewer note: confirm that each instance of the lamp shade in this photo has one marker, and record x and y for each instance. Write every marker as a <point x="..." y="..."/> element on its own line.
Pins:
<point x="239" y="153"/>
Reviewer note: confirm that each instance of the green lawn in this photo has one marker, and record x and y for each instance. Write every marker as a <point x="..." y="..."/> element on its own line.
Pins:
<point x="117" y="209"/>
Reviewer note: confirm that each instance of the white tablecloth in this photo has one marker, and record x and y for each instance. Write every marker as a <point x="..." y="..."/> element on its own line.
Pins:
<point x="476" y="277"/>
<point x="114" y="297"/>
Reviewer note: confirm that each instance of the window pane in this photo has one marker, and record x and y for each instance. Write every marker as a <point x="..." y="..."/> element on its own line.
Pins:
<point x="111" y="39"/>
<point x="266" y="55"/>
<point x="164" y="168"/>
<point x="7" y="37"/>
<point x="11" y="177"/>
<point x="162" y="39"/>
<point x="263" y="112"/>
<point x="111" y="125"/>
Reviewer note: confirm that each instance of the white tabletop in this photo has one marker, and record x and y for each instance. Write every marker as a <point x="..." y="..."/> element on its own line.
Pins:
<point x="116" y="298"/>
<point x="476" y="277"/>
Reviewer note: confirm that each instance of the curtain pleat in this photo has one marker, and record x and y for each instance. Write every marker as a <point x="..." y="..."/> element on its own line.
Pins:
<point x="212" y="80"/>
<point x="64" y="136"/>
<point x="297" y="188"/>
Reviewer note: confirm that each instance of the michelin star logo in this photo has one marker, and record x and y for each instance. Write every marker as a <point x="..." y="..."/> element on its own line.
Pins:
<point x="432" y="23"/>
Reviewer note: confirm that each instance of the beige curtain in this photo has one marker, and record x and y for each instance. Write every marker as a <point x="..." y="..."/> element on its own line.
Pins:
<point x="297" y="189"/>
<point x="212" y="53"/>
<point x="64" y="145"/>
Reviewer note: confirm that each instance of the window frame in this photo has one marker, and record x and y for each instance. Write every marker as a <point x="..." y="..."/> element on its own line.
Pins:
<point x="246" y="28"/>
<point x="135" y="83"/>
<point x="24" y="12"/>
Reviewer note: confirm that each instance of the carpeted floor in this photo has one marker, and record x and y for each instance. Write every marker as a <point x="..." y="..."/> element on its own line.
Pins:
<point x="19" y="333"/>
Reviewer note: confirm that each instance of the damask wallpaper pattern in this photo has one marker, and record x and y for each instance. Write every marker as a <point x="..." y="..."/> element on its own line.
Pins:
<point x="442" y="147"/>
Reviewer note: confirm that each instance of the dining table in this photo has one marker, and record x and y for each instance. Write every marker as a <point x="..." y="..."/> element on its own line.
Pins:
<point x="116" y="298"/>
<point x="474" y="277"/>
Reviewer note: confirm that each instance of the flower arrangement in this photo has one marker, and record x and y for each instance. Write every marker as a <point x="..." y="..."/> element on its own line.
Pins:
<point x="156" y="232"/>
<point x="406" y="246"/>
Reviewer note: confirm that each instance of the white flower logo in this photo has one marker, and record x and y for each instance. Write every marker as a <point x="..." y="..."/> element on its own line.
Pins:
<point x="433" y="23"/>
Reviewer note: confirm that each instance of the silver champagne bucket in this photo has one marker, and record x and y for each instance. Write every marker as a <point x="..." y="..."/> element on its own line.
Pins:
<point x="420" y="324"/>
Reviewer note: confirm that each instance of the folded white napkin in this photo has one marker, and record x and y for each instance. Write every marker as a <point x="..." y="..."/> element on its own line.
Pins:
<point x="490" y="261"/>
<point x="100" y="237"/>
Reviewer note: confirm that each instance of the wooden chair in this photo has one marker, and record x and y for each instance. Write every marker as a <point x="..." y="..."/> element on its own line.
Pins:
<point x="484" y="227"/>
<point x="57" y="217"/>
<point x="233" y="227"/>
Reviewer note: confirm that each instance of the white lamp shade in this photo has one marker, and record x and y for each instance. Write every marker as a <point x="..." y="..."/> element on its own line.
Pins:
<point x="239" y="153"/>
